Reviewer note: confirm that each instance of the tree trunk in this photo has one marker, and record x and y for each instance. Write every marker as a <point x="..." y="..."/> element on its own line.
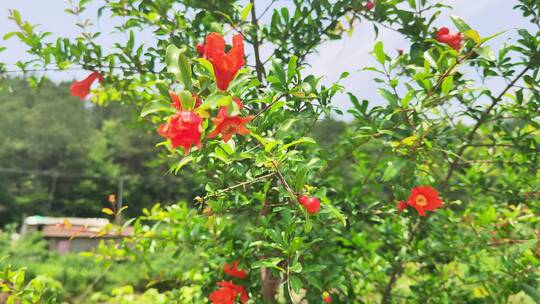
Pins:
<point x="269" y="285"/>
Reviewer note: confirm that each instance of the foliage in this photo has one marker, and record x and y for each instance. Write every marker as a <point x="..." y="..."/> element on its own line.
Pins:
<point x="441" y="125"/>
<point x="41" y="289"/>
<point x="70" y="156"/>
<point x="76" y="274"/>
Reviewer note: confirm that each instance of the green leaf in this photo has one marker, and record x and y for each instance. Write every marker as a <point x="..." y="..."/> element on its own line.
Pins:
<point x="378" y="52"/>
<point x="314" y="268"/>
<point x="296" y="267"/>
<point x="178" y="65"/>
<point x="246" y="11"/>
<point x="271" y="262"/>
<point x="153" y="107"/>
<point x="392" y="169"/>
<point x="186" y="99"/>
<point x="531" y="291"/>
<point x="183" y="162"/>
<point x="430" y="60"/>
<point x="298" y="141"/>
<point x="296" y="283"/>
<point x="300" y="178"/>
<point x="219" y="99"/>
<point x="447" y="84"/>
<point x="107" y="211"/>
<point x="207" y="65"/>
<point x="267" y="142"/>
<point x="472" y="34"/>
<point x="405" y="100"/>
<point x="392" y="99"/>
<point x="337" y="214"/>
<point x="278" y="71"/>
<point x="308" y="225"/>
<point x="171" y="59"/>
<point x="460" y="24"/>
<point x="291" y="68"/>
<point x="492" y="36"/>
<point x="486" y="52"/>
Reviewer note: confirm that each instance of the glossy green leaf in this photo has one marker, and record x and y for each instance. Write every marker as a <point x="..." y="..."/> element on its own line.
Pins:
<point x="378" y="52"/>
<point x="460" y="24"/>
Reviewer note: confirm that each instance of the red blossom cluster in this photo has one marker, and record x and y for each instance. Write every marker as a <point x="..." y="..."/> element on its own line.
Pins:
<point x="185" y="127"/>
<point x="228" y="291"/>
<point x="423" y="198"/>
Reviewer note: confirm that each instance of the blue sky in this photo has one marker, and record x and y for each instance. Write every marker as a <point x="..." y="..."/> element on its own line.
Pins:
<point x="334" y="57"/>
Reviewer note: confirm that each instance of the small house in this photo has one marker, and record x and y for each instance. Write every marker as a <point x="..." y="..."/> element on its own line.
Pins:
<point x="71" y="234"/>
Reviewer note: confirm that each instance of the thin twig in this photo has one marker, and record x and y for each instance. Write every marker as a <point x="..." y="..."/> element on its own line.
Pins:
<point x="284" y="181"/>
<point x="268" y="106"/>
<point x="221" y="191"/>
<point x="479" y="123"/>
<point x="397" y="268"/>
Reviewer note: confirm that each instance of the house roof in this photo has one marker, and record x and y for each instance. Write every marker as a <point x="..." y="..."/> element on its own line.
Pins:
<point x="38" y="220"/>
<point x="74" y="227"/>
<point x="57" y="231"/>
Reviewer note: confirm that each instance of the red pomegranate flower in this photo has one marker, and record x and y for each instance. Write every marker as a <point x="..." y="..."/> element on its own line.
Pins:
<point x="81" y="88"/>
<point x="228" y="293"/>
<point x="424" y="198"/>
<point x="227" y="125"/>
<point x="233" y="271"/>
<point x="401" y="205"/>
<point x="183" y="129"/>
<point x="453" y="40"/>
<point x="226" y="65"/>
<point x="312" y="204"/>
<point x="369" y="5"/>
<point x="327" y="298"/>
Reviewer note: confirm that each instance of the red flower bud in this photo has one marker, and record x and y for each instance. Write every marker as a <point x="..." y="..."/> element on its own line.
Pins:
<point x="312" y="204"/>
<point x="200" y="49"/>
<point x="401" y="205"/>
<point x="81" y="88"/>
<point x="369" y="5"/>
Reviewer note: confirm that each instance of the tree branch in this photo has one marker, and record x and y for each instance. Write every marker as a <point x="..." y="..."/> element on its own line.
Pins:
<point x="479" y="123"/>
<point x="256" y="43"/>
<point x="397" y="268"/>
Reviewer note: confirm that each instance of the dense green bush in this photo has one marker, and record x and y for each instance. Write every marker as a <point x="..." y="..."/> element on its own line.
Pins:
<point x="76" y="274"/>
<point x="431" y="197"/>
